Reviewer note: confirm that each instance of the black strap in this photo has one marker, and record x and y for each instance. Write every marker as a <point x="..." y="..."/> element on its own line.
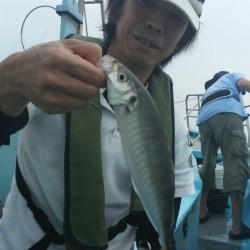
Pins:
<point x="147" y="233"/>
<point x="145" y="229"/>
<point x="51" y="235"/>
<point x="45" y="242"/>
<point x="218" y="94"/>
<point x="118" y="228"/>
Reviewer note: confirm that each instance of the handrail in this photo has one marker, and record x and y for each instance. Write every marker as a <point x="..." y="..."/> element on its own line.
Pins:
<point x="82" y="10"/>
<point x="197" y="99"/>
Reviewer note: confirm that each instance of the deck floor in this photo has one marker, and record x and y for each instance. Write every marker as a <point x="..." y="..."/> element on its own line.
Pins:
<point x="213" y="235"/>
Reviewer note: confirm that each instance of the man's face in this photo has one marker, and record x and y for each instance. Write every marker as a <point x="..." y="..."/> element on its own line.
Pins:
<point x="148" y="31"/>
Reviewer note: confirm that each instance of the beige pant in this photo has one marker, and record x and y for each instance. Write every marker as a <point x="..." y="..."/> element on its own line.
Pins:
<point x="224" y="131"/>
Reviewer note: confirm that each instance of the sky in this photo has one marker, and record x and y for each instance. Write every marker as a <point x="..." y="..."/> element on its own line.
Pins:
<point x="223" y="42"/>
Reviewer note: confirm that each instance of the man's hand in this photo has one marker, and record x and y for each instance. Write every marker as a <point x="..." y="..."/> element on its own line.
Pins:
<point x="57" y="77"/>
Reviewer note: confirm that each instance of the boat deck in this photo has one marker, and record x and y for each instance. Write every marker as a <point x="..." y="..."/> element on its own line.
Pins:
<point x="213" y="234"/>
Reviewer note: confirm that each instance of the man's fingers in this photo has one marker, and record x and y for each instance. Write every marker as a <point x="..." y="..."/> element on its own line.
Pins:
<point x="89" y="51"/>
<point x="84" y="64"/>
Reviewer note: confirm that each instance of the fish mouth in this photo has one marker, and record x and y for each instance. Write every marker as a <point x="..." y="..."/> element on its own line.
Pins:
<point x="147" y="42"/>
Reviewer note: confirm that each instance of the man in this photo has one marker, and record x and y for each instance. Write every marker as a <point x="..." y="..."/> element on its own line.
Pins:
<point x="220" y="125"/>
<point x="69" y="157"/>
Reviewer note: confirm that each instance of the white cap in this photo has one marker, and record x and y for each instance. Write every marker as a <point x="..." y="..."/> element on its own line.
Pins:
<point x="191" y="8"/>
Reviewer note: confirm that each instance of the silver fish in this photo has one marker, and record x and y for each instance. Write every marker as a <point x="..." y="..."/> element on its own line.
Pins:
<point x="144" y="143"/>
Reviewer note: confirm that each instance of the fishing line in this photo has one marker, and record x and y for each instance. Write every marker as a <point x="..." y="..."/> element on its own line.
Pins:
<point x="38" y="7"/>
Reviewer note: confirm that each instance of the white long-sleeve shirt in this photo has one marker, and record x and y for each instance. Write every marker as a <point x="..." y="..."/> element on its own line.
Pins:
<point x="41" y="160"/>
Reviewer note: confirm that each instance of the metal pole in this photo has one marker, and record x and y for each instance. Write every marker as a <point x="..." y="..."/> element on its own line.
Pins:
<point x="81" y="7"/>
<point x="71" y="19"/>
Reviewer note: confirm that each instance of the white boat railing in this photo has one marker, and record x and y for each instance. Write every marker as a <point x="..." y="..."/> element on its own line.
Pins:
<point x="193" y="104"/>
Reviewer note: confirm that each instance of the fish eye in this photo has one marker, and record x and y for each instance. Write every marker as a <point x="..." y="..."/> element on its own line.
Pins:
<point x="122" y="77"/>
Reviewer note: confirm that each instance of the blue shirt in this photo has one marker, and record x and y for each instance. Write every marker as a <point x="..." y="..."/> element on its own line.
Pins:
<point x="230" y="104"/>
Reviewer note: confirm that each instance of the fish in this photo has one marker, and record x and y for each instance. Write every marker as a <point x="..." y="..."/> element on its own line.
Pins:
<point x="145" y="145"/>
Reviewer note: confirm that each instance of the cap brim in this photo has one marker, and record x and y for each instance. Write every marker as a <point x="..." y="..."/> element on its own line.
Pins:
<point x="186" y="7"/>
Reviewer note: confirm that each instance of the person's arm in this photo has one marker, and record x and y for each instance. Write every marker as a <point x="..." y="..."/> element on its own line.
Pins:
<point x="244" y="84"/>
<point x="57" y="77"/>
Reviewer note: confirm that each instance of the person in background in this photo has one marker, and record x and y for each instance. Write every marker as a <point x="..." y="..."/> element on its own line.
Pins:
<point x="220" y="122"/>
<point x="72" y="188"/>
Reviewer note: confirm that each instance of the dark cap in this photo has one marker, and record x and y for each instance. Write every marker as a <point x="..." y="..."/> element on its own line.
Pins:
<point x="216" y="77"/>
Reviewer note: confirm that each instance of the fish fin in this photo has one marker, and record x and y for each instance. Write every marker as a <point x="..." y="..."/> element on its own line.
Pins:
<point x="132" y="102"/>
<point x="134" y="186"/>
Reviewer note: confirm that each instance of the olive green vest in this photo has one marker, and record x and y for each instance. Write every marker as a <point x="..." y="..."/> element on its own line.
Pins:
<point x="84" y="225"/>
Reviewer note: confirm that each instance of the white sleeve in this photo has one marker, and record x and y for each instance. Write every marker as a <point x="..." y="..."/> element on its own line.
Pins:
<point x="184" y="176"/>
<point x="33" y="111"/>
